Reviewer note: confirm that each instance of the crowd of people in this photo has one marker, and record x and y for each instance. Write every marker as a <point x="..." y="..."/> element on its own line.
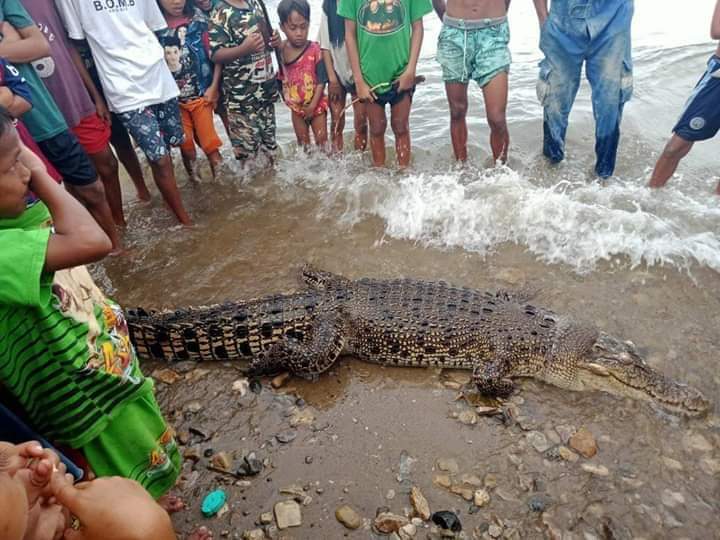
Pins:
<point x="80" y="79"/>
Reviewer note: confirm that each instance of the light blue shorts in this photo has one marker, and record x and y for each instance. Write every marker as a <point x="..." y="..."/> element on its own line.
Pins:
<point x="476" y="50"/>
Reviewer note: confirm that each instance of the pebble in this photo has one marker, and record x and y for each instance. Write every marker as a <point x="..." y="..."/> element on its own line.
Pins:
<point x="448" y="465"/>
<point x="286" y="436"/>
<point x="348" y="517"/>
<point x="387" y="522"/>
<point x="583" y="442"/>
<point x="695" y="441"/>
<point x="447" y="520"/>
<point x="466" y="492"/>
<point x="308" y="459"/>
<point x="487" y="411"/>
<point x="168" y="376"/>
<point x="598" y="470"/>
<point x="420" y="504"/>
<point x="495" y="531"/>
<point x="287" y="514"/>
<point x="266" y="518"/>
<point x="538" y="441"/>
<point x="567" y="454"/>
<point x="471" y="479"/>
<point x="468" y="417"/>
<point x="565" y="431"/>
<point x="407" y="532"/>
<point x="390" y="495"/>
<point x="222" y="461"/>
<point x="673" y="464"/>
<point x="191" y="453"/>
<point x="442" y="480"/>
<point x="481" y="497"/>
<point x="254" y="534"/>
<point x="538" y="503"/>
<point x="672" y="498"/>
<point x="302" y="418"/>
<point x="241" y="386"/>
<point x="280" y="380"/>
<point x="193" y="406"/>
<point x="710" y="466"/>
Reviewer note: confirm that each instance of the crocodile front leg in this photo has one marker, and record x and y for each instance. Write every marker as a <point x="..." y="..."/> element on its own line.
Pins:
<point x="491" y="377"/>
<point x="310" y="357"/>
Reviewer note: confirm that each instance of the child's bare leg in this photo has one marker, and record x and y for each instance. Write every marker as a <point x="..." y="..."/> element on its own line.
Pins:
<point x="458" y="101"/>
<point x="495" y="94"/>
<point x="164" y="176"/>
<point x="107" y="167"/>
<point x="400" y="123"/>
<point x="189" y="159"/>
<point x="337" y="122"/>
<point x="215" y="159"/>
<point x="378" y="125"/>
<point x="360" y="120"/>
<point x="120" y="141"/>
<point x="302" y="131"/>
<point x="675" y="149"/>
<point x="319" y="129"/>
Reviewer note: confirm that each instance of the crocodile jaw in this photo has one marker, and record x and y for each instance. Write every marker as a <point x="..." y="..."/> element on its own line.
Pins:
<point x="616" y="368"/>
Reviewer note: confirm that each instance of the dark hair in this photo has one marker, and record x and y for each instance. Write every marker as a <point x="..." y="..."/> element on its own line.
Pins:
<point x="7" y="122"/>
<point x="171" y="41"/>
<point x="336" y="23"/>
<point x="286" y="7"/>
<point x="188" y="10"/>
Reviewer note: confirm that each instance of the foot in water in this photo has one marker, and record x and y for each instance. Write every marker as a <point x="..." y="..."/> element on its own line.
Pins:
<point x="200" y="534"/>
<point x="171" y="503"/>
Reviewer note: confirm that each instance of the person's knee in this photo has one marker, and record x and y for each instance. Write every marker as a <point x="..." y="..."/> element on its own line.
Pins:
<point x="400" y="126"/>
<point x="91" y="195"/>
<point x="676" y="148"/>
<point x="106" y="163"/>
<point x="378" y="127"/>
<point x="458" y="109"/>
<point x="497" y="121"/>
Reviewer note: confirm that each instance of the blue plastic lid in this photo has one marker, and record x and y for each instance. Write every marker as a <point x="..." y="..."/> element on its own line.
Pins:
<point x="213" y="502"/>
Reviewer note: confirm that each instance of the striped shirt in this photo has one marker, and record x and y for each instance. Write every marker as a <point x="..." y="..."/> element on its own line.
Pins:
<point x="65" y="352"/>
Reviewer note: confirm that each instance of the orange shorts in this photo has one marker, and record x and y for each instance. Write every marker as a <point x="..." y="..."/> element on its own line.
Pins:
<point x="93" y="134"/>
<point x="198" y="122"/>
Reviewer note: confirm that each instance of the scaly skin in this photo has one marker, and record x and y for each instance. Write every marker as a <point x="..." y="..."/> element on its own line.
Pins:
<point x="499" y="336"/>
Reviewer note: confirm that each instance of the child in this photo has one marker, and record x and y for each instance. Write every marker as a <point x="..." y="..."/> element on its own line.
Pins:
<point x="340" y="78"/>
<point x="23" y="42"/>
<point x="303" y="74"/>
<point x="240" y="40"/>
<point x="700" y="120"/>
<point x="137" y="83"/>
<point x="65" y="354"/>
<point x="383" y="40"/>
<point x="197" y="79"/>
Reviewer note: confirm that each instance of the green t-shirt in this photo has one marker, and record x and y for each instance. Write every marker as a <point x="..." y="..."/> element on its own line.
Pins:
<point x="384" y="29"/>
<point x="44" y="120"/>
<point x="65" y="352"/>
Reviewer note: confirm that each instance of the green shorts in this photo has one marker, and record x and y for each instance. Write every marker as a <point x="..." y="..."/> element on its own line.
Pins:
<point x="137" y="444"/>
<point x="476" y="50"/>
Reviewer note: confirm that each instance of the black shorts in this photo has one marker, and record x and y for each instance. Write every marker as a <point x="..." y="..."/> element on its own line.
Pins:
<point x="69" y="158"/>
<point x="393" y="96"/>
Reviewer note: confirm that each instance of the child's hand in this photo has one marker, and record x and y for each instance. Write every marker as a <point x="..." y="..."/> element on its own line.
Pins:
<point x="308" y="111"/>
<point x="275" y="40"/>
<point x="31" y="160"/>
<point x="335" y="91"/>
<point x="14" y="457"/>
<point x="254" y="43"/>
<point x="103" y="112"/>
<point x="407" y="80"/>
<point x="6" y="96"/>
<point x="364" y="93"/>
<point x="212" y="95"/>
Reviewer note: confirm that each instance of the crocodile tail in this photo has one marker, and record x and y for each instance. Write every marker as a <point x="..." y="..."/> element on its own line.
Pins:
<point x="174" y="336"/>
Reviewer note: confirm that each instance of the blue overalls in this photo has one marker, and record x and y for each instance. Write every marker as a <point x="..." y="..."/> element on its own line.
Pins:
<point x="596" y="32"/>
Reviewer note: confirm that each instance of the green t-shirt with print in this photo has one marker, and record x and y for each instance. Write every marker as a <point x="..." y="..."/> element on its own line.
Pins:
<point x="44" y="120"/>
<point x="384" y="30"/>
<point x="65" y="352"/>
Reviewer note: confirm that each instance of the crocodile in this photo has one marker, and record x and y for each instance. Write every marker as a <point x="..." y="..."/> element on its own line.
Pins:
<point x="406" y="322"/>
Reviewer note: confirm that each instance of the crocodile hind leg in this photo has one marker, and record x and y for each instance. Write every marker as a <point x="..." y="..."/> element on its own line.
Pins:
<point x="491" y="378"/>
<point x="310" y="357"/>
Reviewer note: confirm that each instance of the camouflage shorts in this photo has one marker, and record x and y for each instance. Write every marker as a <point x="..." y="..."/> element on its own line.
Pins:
<point x="251" y="127"/>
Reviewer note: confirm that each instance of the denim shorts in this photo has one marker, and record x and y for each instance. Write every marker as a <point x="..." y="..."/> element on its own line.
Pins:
<point x="393" y="96"/>
<point x="476" y="50"/>
<point x="155" y="128"/>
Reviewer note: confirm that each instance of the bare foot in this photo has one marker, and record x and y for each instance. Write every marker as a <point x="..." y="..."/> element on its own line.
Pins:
<point x="202" y="533"/>
<point x="171" y="503"/>
<point x="143" y="195"/>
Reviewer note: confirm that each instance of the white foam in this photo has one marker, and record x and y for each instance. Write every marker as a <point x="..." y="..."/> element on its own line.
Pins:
<point x="576" y="224"/>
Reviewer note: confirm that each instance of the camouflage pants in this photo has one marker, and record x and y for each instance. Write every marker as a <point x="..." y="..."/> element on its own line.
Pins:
<point x="251" y="127"/>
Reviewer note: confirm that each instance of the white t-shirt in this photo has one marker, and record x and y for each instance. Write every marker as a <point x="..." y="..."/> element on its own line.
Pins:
<point x="340" y="58"/>
<point x="128" y="56"/>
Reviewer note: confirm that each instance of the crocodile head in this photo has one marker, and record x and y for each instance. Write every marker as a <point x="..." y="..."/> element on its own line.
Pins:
<point x="615" y="366"/>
